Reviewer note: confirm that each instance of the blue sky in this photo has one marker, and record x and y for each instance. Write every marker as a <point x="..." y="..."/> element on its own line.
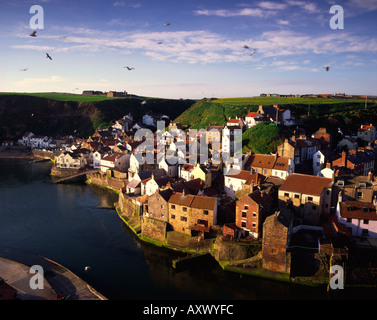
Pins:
<point x="200" y="54"/>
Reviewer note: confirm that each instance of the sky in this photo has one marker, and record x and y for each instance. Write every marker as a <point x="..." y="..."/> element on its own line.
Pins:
<point x="204" y="51"/>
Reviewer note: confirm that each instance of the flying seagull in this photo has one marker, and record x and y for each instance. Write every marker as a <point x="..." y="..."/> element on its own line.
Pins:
<point x="23" y="69"/>
<point x="253" y="52"/>
<point x="326" y="67"/>
<point x="245" y="47"/>
<point x="159" y="42"/>
<point x="166" y="24"/>
<point x="65" y="37"/>
<point x="33" y="34"/>
<point x="129" y="68"/>
<point x="340" y="131"/>
<point x="87" y="268"/>
<point x="48" y="56"/>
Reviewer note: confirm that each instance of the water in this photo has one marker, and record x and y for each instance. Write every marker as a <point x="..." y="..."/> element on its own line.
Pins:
<point x="63" y="222"/>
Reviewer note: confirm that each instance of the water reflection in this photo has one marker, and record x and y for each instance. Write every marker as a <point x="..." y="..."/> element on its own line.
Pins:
<point x="65" y="223"/>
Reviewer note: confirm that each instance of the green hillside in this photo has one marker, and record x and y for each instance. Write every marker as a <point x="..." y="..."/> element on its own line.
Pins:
<point x="263" y="138"/>
<point x="311" y="113"/>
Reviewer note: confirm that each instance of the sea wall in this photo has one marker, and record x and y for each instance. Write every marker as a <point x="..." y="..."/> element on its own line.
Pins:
<point x="154" y="229"/>
<point x="59" y="172"/>
<point x="43" y="154"/>
<point x="107" y="181"/>
<point x="225" y="250"/>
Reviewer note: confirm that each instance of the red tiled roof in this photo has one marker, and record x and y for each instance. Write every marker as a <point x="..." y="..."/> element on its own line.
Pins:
<point x="261" y="160"/>
<point x="251" y="114"/>
<point x="233" y="121"/>
<point x="239" y="174"/>
<point x="358" y="210"/>
<point x="307" y="184"/>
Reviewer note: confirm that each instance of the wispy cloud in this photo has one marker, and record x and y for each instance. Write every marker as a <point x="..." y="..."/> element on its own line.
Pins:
<point x="200" y="46"/>
<point x="272" y="5"/>
<point x="306" y="6"/>
<point x="36" y="81"/>
<point x="120" y="3"/>
<point x="250" y="12"/>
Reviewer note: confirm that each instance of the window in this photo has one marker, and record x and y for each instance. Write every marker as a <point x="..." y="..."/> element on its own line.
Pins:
<point x="246" y="207"/>
<point x="173" y="216"/>
<point x="359" y="195"/>
<point x="162" y="206"/>
<point x="286" y="194"/>
<point x="297" y="196"/>
<point x="184" y="219"/>
<point x="243" y="214"/>
<point x="366" y="221"/>
<point x="203" y="222"/>
<point x="254" y="214"/>
<point x="310" y="198"/>
<point x="184" y="209"/>
<point x="243" y="224"/>
<point x="173" y="206"/>
<point x="205" y="212"/>
<point x="349" y="220"/>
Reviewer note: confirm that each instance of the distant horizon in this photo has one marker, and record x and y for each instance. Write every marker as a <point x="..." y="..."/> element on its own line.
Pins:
<point x="162" y="97"/>
<point x="189" y="49"/>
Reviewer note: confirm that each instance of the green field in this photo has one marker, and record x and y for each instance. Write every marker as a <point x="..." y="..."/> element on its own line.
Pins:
<point x="253" y="101"/>
<point x="69" y="97"/>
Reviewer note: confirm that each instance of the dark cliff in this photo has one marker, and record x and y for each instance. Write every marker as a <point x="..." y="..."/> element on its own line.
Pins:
<point x="42" y="116"/>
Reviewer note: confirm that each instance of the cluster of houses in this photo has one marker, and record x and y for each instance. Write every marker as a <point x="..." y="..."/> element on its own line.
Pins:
<point x="307" y="186"/>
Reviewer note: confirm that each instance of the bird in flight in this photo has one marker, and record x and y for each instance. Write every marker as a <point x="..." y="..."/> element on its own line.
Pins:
<point x="245" y="47"/>
<point x="129" y="68"/>
<point x="33" y="34"/>
<point x="166" y="24"/>
<point x="65" y="37"/>
<point x="253" y="52"/>
<point x="48" y="56"/>
<point x="326" y="67"/>
<point x="23" y="69"/>
<point x="159" y="42"/>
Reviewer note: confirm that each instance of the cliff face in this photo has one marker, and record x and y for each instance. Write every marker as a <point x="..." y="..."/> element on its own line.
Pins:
<point x="19" y="114"/>
<point x="42" y="116"/>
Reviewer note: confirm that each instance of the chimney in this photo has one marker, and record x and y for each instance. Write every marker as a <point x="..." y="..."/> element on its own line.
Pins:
<point x="183" y="192"/>
<point x="344" y="159"/>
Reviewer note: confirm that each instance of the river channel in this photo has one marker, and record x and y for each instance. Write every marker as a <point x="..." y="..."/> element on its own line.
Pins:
<point x="65" y="223"/>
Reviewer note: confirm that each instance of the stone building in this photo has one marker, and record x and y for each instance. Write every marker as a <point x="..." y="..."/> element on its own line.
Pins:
<point x="157" y="206"/>
<point x="189" y="212"/>
<point x="277" y="230"/>
<point x="309" y="196"/>
<point x="251" y="210"/>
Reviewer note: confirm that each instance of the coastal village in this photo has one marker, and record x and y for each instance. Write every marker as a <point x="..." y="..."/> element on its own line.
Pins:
<point x="288" y="215"/>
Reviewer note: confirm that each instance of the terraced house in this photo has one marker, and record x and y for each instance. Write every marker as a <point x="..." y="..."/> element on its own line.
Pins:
<point x="251" y="211"/>
<point x="188" y="212"/>
<point x="309" y="196"/>
<point x="69" y="160"/>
